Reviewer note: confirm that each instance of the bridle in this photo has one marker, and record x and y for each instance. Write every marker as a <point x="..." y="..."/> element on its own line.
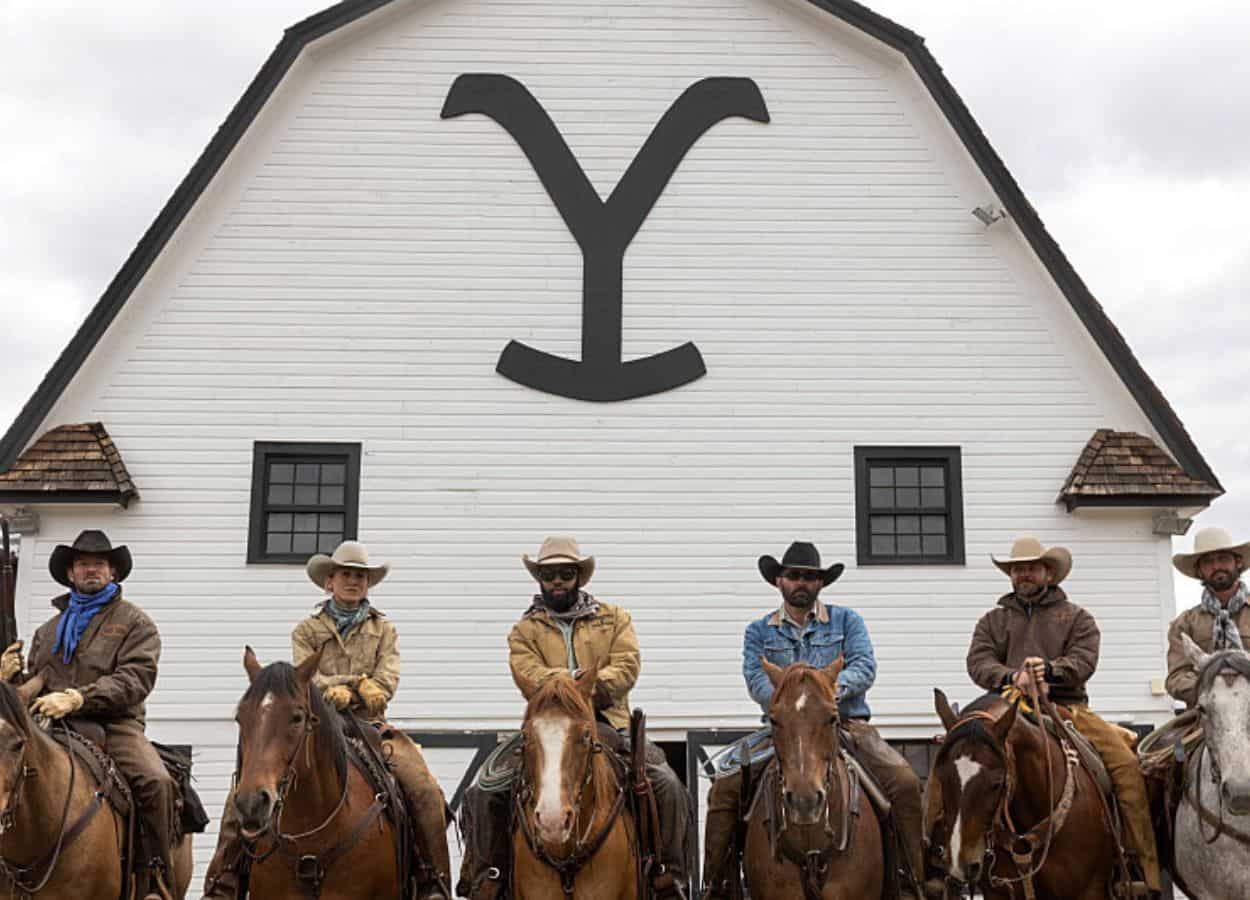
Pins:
<point x="1191" y="791"/>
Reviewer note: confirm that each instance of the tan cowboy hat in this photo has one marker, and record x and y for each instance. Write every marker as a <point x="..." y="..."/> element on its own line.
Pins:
<point x="1208" y="540"/>
<point x="557" y="550"/>
<point x="347" y="555"/>
<point x="1029" y="549"/>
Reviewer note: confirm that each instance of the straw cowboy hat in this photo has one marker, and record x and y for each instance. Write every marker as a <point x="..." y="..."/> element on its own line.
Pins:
<point x="95" y="543"/>
<point x="557" y="551"/>
<point x="347" y="555"/>
<point x="1029" y="549"/>
<point x="1208" y="540"/>
<point x="799" y="555"/>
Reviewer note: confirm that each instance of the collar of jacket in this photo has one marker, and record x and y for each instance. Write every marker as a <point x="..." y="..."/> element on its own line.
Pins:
<point x="542" y="614"/>
<point x="61" y="601"/>
<point x="822" y="615"/>
<point x="1052" y="596"/>
<point x="374" y="612"/>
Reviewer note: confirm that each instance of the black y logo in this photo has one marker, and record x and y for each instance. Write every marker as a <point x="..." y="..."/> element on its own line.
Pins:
<point x="603" y="230"/>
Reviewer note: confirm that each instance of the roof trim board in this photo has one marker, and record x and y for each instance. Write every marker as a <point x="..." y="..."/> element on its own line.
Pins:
<point x="1090" y="312"/>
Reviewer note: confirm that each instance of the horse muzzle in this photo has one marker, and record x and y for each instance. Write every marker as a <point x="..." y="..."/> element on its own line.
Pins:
<point x="255" y="810"/>
<point x="1235" y="795"/>
<point x="554" y="827"/>
<point x="805" y="808"/>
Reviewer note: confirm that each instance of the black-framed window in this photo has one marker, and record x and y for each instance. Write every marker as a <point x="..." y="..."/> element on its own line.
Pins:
<point x="305" y="500"/>
<point x="909" y="506"/>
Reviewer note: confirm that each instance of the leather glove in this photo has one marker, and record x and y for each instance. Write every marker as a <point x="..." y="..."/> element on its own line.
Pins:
<point x="58" y="705"/>
<point x="602" y="698"/>
<point x="372" y="696"/>
<point x="339" y="696"/>
<point x="11" y="663"/>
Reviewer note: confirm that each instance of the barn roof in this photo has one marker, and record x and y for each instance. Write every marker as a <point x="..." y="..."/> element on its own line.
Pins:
<point x="69" y="464"/>
<point x="1147" y="394"/>
<point x="1122" y="468"/>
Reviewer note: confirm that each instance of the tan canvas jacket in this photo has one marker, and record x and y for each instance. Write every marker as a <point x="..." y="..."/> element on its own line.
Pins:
<point x="537" y="651"/>
<point x="371" y="648"/>
<point x="114" y="666"/>
<point x="1200" y="626"/>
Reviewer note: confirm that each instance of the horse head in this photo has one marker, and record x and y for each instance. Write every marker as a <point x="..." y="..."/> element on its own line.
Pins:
<point x="17" y="730"/>
<point x="558" y="758"/>
<point x="1224" y="704"/>
<point x="804" y="719"/>
<point x="285" y="730"/>
<point x="972" y="774"/>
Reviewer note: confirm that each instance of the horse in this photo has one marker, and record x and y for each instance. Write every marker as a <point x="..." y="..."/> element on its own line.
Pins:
<point x="303" y="806"/>
<point x="1212" y="832"/>
<point x="60" y="837"/>
<point x="820" y="840"/>
<point x="1021" y="816"/>
<point x="572" y="836"/>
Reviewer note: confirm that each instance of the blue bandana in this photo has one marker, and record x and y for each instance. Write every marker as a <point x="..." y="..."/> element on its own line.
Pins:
<point x="345" y="618"/>
<point x="77" y="616"/>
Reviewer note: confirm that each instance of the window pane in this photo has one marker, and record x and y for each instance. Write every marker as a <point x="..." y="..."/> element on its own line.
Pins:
<point x="908" y="545"/>
<point x="280" y="493"/>
<point x="303" y="543"/>
<point x="882" y="524"/>
<point x="327" y="542"/>
<point x="278" y="543"/>
<point x="306" y="494"/>
<point x="307" y="473"/>
<point x="282" y="472"/>
<point x="907" y="476"/>
<point x="908" y="524"/>
<point x="333" y="474"/>
<point x="932" y="476"/>
<point x="330" y="522"/>
<point x="881" y="498"/>
<point x="306" y="522"/>
<point x="279" y="522"/>
<point x="934" y="546"/>
<point x="880" y="476"/>
<point x="933" y="498"/>
<point x="933" y="524"/>
<point x="882" y="545"/>
<point x="332" y="496"/>
<point x="907" y="498"/>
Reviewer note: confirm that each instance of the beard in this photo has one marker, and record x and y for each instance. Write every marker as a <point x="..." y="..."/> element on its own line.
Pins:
<point x="560" y="603"/>
<point x="1221" y="580"/>
<point x="1030" y="590"/>
<point x="801" y="598"/>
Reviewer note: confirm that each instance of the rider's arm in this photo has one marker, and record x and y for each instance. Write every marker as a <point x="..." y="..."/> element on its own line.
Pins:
<point x="758" y="685"/>
<point x="1182" y="680"/>
<point x="624" y="662"/>
<point x="859" y="669"/>
<point x="385" y="672"/>
<point x="529" y="670"/>
<point x="132" y="680"/>
<point x="305" y="641"/>
<point x="1080" y="654"/>
<point x="985" y="657"/>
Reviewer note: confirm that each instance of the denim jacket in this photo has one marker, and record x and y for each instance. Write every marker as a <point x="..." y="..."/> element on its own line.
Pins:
<point x="834" y="631"/>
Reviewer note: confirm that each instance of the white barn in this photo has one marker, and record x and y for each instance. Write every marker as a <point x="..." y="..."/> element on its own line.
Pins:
<point x="875" y="345"/>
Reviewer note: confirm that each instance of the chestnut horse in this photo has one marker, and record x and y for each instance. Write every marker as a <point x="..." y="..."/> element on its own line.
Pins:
<point x="308" y="817"/>
<point x="1018" y="808"/>
<point x="45" y="793"/>
<point x="820" y="840"/>
<point x="573" y="832"/>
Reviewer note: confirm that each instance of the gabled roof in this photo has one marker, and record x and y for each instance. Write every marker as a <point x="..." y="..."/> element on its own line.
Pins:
<point x="1121" y="468"/>
<point x="70" y="464"/>
<point x="1147" y="394"/>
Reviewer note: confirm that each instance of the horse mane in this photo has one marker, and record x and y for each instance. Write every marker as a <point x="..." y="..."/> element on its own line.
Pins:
<point x="279" y="679"/>
<point x="973" y="728"/>
<point x="1232" y="658"/>
<point x="796" y="673"/>
<point x="559" y="693"/>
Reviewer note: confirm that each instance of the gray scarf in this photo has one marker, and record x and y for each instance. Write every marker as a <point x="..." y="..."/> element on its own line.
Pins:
<point x="586" y="605"/>
<point x="345" y="618"/>
<point x="1225" y="635"/>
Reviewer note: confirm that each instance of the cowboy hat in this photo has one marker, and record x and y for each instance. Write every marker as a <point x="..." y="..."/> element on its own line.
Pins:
<point x="560" y="550"/>
<point x="799" y="555"/>
<point x="1209" y="540"/>
<point x="347" y="555"/>
<point x="1029" y="549"/>
<point x="95" y="543"/>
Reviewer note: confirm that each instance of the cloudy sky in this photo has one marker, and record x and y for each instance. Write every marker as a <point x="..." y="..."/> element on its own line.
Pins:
<point x="1125" y="123"/>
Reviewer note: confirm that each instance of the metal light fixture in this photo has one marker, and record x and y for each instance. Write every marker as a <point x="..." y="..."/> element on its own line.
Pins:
<point x="989" y="213"/>
<point x="1170" y="522"/>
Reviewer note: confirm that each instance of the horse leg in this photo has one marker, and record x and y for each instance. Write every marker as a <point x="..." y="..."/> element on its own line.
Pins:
<point x="183" y="864"/>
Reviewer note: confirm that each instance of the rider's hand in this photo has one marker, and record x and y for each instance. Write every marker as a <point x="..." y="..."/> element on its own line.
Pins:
<point x="1022" y="680"/>
<point x="372" y="696"/>
<point x="1037" y="667"/>
<point x="11" y="663"/>
<point x="339" y="696"/>
<point x="58" y="705"/>
<point x="603" y="697"/>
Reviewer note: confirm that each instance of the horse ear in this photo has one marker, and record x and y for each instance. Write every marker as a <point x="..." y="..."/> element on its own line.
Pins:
<point x="1194" y="653"/>
<point x="586" y="680"/>
<point x="1002" y="727"/>
<point x="834" y="669"/>
<point x="774" y="672"/>
<point x="27" y="692"/>
<point x="250" y="663"/>
<point x="944" y="711"/>
<point x="308" y="668"/>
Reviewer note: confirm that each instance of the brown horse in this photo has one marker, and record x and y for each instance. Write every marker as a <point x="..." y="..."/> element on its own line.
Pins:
<point x="573" y="828"/>
<point x="308" y="816"/>
<point x="820" y="840"/>
<point x="57" y="838"/>
<point x="1018" y="808"/>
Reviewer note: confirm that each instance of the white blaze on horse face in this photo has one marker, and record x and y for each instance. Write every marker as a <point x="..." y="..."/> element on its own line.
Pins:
<point x="267" y="701"/>
<point x="967" y="768"/>
<point x="801" y="702"/>
<point x="551" y="732"/>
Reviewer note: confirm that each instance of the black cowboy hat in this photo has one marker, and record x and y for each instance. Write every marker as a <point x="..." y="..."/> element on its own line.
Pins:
<point x="799" y="555"/>
<point x="95" y="543"/>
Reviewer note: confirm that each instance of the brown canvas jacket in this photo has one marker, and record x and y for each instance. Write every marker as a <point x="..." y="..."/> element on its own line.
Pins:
<point x="1199" y="624"/>
<point x="1057" y="630"/>
<point x="536" y="651"/>
<point x="114" y="666"/>
<point x="371" y="648"/>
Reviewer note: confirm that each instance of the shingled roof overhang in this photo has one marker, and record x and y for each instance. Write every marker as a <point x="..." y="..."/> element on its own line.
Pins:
<point x="1126" y="469"/>
<point x="69" y="464"/>
<point x="911" y="45"/>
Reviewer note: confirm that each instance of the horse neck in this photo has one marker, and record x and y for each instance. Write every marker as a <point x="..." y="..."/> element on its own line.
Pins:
<point x="40" y="804"/>
<point x="1031" y="799"/>
<point x="318" y="785"/>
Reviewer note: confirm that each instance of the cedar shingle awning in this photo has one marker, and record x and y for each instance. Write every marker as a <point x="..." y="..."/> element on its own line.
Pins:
<point x="69" y="464"/>
<point x="1122" y="468"/>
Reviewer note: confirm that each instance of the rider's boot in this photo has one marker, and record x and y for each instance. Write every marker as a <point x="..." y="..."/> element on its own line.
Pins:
<point x="434" y="872"/>
<point x="221" y="881"/>
<point x="719" y="854"/>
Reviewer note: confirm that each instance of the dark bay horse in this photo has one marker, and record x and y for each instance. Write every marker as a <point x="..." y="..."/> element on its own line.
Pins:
<point x="824" y="842"/>
<point x="309" y="816"/>
<point x="573" y="827"/>
<point x="1020" y="815"/>
<point x="58" y="840"/>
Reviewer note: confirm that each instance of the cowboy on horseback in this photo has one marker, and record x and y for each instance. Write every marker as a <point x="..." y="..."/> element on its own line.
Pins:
<point x="1037" y="640"/>
<point x="1222" y="620"/>
<point x="359" y="672"/>
<point x="99" y="657"/>
<point x="807" y="631"/>
<point x="567" y="629"/>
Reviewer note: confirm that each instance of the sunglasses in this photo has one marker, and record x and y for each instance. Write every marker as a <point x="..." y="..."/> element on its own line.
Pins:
<point x="562" y="573"/>
<point x="802" y="575"/>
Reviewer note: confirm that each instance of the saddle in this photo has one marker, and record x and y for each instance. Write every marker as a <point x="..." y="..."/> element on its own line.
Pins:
<point x="1091" y="762"/>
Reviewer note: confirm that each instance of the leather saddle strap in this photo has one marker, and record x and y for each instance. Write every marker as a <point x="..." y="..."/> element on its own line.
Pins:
<point x="324" y="861"/>
<point x="79" y="826"/>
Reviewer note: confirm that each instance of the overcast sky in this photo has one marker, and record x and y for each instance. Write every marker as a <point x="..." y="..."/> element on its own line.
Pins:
<point x="1125" y="123"/>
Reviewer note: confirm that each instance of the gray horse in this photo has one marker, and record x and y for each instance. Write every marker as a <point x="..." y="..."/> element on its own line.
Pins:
<point x="1213" y="822"/>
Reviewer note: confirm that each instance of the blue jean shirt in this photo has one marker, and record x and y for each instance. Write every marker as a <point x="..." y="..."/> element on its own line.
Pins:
<point x="834" y="631"/>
